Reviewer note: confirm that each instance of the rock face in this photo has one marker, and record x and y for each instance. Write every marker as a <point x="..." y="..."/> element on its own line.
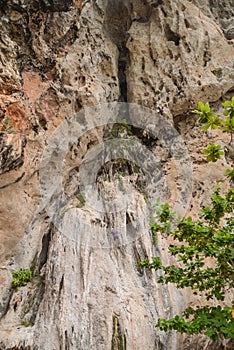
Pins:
<point x="65" y="66"/>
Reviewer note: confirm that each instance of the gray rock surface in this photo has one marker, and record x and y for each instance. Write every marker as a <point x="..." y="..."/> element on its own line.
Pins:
<point x="57" y="57"/>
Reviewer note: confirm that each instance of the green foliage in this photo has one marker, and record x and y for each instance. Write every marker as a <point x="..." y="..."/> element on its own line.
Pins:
<point x="204" y="111"/>
<point x="213" y="152"/>
<point x="122" y="126"/>
<point x="81" y="200"/>
<point x="207" y="116"/>
<point x="135" y="169"/>
<point x="211" y="120"/>
<point x="8" y="127"/>
<point x="228" y="126"/>
<point x="81" y="204"/>
<point x="228" y="123"/>
<point x="209" y="237"/>
<point x="205" y="238"/>
<point x="21" y="278"/>
<point x="163" y="217"/>
<point x="195" y="241"/>
<point x="229" y="111"/>
<point x="27" y="323"/>
<point x="212" y="321"/>
<point x="118" y="128"/>
<point x="230" y="174"/>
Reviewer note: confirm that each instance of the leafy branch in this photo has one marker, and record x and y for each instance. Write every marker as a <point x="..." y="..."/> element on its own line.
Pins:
<point x="209" y="237"/>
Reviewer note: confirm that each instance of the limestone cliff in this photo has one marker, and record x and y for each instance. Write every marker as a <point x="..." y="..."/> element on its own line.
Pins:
<point x="69" y="71"/>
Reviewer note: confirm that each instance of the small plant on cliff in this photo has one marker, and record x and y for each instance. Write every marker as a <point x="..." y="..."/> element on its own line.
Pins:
<point x="81" y="200"/>
<point x="21" y="278"/>
<point x="210" y="237"/>
<point x="120" y="127"/>
<point x="27" y="323"/>
<point x="8" y="127"/>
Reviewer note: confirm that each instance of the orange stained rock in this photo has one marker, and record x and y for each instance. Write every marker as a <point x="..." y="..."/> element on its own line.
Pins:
<point x="78" y="3"/>
<point x="18" y="119"/>
<point x="33" y="85"/>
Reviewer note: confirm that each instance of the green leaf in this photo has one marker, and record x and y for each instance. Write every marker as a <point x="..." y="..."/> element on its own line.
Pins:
<point x="230" y="174"/>
<point x="200" y="106"/>
<point x="206" y="108"/>
<point x="8" y="127"/>
<point x="213" y="152"/>
<point x="227" y="104"/>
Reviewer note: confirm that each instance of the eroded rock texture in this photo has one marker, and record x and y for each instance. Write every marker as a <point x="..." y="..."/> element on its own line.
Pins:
<point x="56" y="58"/>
